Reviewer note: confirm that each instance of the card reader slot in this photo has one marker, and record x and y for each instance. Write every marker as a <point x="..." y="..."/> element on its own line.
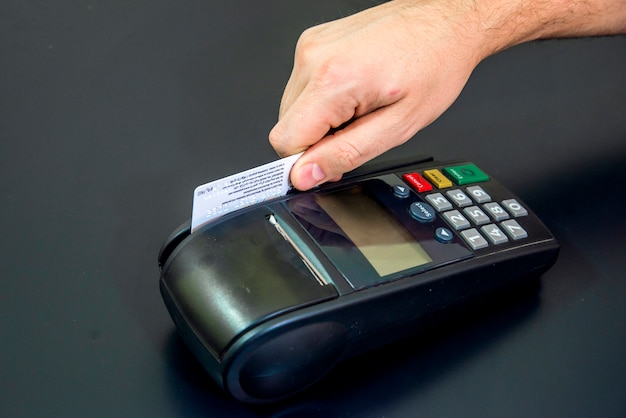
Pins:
<point x="317" y="270"/>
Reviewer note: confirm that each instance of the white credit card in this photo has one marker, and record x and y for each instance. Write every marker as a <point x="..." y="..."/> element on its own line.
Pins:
<point x="256" y="185"/>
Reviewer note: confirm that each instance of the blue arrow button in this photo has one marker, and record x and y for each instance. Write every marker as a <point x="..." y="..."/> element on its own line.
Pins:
<point x="401" y="191"/>
<point x="443" y="235"/>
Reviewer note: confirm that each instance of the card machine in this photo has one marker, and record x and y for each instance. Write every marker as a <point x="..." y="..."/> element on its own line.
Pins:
<point x="269" y="298"/>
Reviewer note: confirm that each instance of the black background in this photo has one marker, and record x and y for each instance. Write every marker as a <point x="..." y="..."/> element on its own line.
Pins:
<point x="111" y="112"/>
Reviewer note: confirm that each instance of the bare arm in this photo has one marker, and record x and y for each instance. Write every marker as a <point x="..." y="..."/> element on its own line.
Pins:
<point x="383" y="74"/>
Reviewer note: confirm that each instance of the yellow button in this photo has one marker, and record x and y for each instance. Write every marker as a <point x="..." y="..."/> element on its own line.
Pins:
<point x="437" y="178"/>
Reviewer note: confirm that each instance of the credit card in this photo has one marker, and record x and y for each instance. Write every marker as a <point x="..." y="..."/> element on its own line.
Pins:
<point x="226" y="195"/>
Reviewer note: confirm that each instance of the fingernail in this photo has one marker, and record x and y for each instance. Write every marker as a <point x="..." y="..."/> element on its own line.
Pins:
<point x="310" y="176"/>
<point x="317" y="173"/>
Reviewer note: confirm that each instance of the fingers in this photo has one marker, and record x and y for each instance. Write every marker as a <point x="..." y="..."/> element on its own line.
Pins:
<point x="325" y="91"/>
<point x="362" y="140"/>
<point x="312" y="107"/>
<point x="337" y="96"/>
<point x="310" y="120"/>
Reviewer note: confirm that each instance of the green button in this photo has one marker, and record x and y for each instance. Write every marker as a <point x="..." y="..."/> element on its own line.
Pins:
<point x="465" y="174"/>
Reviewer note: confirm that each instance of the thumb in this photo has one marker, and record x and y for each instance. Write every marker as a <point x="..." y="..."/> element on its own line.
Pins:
<point x="347" y="149"/>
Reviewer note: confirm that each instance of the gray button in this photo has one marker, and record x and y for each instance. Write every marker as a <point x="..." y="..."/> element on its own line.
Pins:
<point x="478" y="194"/>
<point x="496" y="211"/>
<point x="474" y="239"/>
<point x="514" y="229"/>
<point x="476" y="215"/>
<point x="457" y="220"/>
<point x="514" y="207"/>
<point x="439" y="202"/>
<point x="422" y="212"/>
<point x="495" y="234"/>
<point x="459" y="197"/>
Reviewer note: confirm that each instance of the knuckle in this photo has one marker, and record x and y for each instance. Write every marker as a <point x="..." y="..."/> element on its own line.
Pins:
<point x="277" y="138"/>
<point x="332" y="74"/>
<point x="307" y="47"/>
<point x="325" y="69"/>
<point x="348" y="157"/>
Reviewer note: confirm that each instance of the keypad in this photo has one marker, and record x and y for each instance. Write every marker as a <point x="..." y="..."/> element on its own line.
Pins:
<point x="478" y="194"/>
<point x="418" y="182"/>
<point x="422" y="212"/>
<point x="514" y="230"/>
<point x="456" y="220"/>
<point x="466" y="174"/>
<point x="474" y="239"/>
<point x="439" y="202"/>
<point x="467" y="207"/>
<point x="514" y="207"/>
<point x="401" y="191"/>
<point x="496" y="211"/>
<point x="494" y="234"/>
<point x="443" y="235"/>
<point x="459" y="198"/>
<point x="477" y="215"/>
<point x="437" y="178"/>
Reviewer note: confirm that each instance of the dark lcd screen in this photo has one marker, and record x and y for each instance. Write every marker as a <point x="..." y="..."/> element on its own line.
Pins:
<point x="375" y="232"/>
<point x="369" y="234"/>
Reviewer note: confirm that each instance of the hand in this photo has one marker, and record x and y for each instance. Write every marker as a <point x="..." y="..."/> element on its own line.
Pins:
<point x="366" y="83"/>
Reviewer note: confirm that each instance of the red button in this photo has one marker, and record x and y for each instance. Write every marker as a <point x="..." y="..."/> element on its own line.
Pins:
<point x="418" y="182"/>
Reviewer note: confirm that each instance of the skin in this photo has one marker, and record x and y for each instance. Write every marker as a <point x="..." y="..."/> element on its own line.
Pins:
<point x="366" y="83"/>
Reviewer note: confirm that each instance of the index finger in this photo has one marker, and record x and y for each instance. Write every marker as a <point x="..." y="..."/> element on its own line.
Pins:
<point x="309" y="119"/>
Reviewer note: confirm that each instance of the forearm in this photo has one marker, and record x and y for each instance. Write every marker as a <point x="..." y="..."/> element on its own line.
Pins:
<point x="500" y="24"/>
<point x="496" y="25"/>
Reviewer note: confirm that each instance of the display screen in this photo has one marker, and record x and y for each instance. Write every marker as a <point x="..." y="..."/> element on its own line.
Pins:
<point x="375" y="232"/>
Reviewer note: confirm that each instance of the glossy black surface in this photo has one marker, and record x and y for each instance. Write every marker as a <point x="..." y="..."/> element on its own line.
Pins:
<point x="112" y="112"/>
<point x="376" y="196"/>
<point x="236" y="274"/>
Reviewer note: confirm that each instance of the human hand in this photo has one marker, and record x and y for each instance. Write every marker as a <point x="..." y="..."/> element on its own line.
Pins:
<point x="366" y="83"/>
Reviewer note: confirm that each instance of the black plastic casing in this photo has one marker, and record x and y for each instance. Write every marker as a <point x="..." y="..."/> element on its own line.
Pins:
<point x="265" y="328"/>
